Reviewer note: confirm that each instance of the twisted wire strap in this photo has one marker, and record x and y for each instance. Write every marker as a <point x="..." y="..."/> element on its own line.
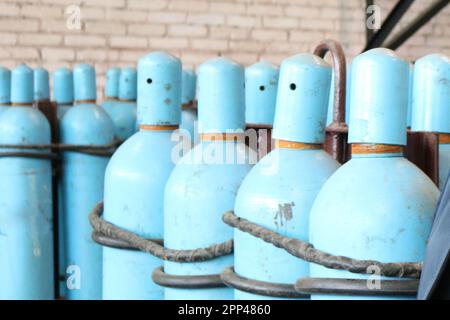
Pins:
<point x="103" y="228"/>
<point x="307" y="252"/>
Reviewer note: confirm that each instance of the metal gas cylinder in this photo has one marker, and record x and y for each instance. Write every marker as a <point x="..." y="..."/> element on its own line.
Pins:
<point x="26" y="241"/>
<point x="204" y="183"/>
<point x="378" y="206"/>
<point x="5" y="88"/>
<point x="63" y="96"/>
<point x="431" y="102"/>
<point x="136" y="177"/>
<point x="82" y="184"/>
<point x="279" y="191"/>
<point x="261" y="84"/>
<point x="63" y="90"/>
<point x="188" y="113"/>
<point x="41" y="91"/>
<point x="122" y="110"/>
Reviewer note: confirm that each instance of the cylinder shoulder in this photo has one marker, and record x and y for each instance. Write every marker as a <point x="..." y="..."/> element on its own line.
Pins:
<point x="87" y="123"/>
<point x="24" y="125"/>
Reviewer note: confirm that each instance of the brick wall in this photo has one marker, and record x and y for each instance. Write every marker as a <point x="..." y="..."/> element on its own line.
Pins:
<point x="118" y="32"/>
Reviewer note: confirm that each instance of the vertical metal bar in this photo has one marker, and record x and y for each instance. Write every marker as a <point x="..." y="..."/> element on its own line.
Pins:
<point x="416" y="24"/>
<point x="369" y="32"/>
<point x="389" y="24"/>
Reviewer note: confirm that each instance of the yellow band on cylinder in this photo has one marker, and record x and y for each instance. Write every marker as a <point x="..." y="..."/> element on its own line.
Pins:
<point x="221" y="136"/>
<point x="15" y="104"/>
<point x="83" y="101"/>
<point x="157" y="128"/>
<point x="444" y="138"/>
<point x="375" y="148"/>
<point x="284" y="144"/>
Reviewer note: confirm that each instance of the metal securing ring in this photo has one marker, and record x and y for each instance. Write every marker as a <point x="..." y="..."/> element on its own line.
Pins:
<point x="356" y="287"/>
<point x="186" y="282"/>
<point x="117" y="243"/>
<point x="268" y="289"/>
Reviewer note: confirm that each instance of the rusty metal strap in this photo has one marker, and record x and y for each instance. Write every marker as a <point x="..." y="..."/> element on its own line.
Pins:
<point x="32" y="155"/>
<point x="163" y="279"/>
<point x="307" y="252"/>
<point x="357" y="287"/>
<point x="267" y="289"/>
<point x="105" y="150"/>
<point x="107" y="229"/>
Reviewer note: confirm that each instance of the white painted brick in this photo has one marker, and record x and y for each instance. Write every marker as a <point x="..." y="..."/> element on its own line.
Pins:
<point x="187" y="30"/>
<point x="128" y="42"/>
<point x="119" y="32"/>
<point x="206" y="19"/>
<point x="147" y="30"/>
<point x="168" y="43"/>
<point x="209" y="44"/>
<point x="58" y="54"/>
<point x="167" y="17"/>
<point x="19" y="25"/>
<point x="189" y="5"/>
<point x="105" y="28"/>
<point x="8" y="38"/>
<point x="40" y="39"/>
<point x="84" y="41"/>
<point x="9" y="10"/>
<point x="243" y="21"/>
<point x="269" y="35"/>
<point x="147" y="4"/>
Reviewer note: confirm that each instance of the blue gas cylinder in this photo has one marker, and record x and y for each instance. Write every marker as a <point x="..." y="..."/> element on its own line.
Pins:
<point x="111" y="88"/>
<point x="136" y="176"/>
<point x="431" y="102"/>
<point x="188" y="113"/>
<point x="261" y="84"/>
<point x="26" y="241"/>
<point x="378" y="206"/>
<point x="279" y="191"/>
<point x="122" y="110"/>
<point x="5" y="88"/>
<point x="41" y="89"/>
<point x="82" y="185"/>
<point x="63" y="90"/>
<point x="204" y="183"/>
<point x="347" y="100"/>
<point x="63" y="96"/>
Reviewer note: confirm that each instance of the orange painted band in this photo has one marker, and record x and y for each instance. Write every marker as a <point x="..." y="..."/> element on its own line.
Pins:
<point x="284" y="144"/>
<point x="221" y="136"/>
<point x="444" y="138"/>
<point x="6" y="104"/>
<point x="28" y="104"/>
<point x="126" y="100"/>
<point x="112" y="98"/>
<point x="157" y="128"/>
<point x="375" y="148"/>
<point x="185" y="106"/>
<point x="83" y="101"/>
